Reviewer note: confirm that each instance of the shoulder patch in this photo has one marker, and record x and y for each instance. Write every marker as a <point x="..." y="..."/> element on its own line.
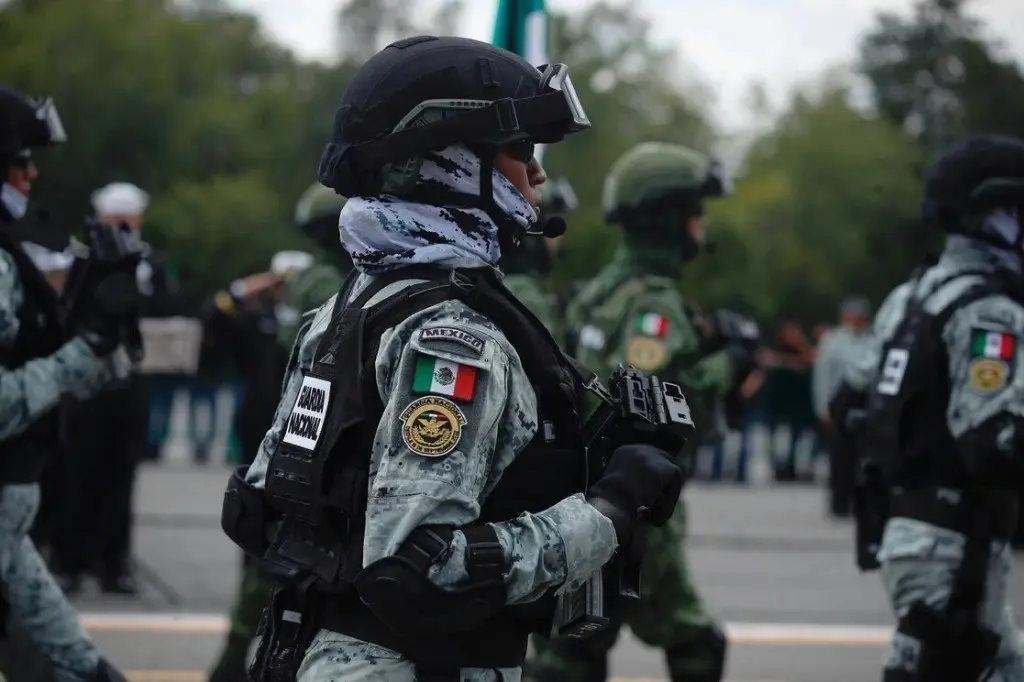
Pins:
<point x="992" y="356"/>
<point x="650" y="324"/>
<point x="432" y="426"/>
<point x="646" y="353"/>
<point x="453" y="335"/>
<point x="306" y="422"/>
<point x="446" y="377"/>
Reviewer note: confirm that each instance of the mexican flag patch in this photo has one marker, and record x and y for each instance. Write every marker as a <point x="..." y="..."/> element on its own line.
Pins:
<point x="444" y="377"/>
<point x="652" y="324"/>
<point x="994" y="345"/>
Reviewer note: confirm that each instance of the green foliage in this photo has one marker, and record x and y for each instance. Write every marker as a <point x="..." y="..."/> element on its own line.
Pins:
<point x="224" y="128"/>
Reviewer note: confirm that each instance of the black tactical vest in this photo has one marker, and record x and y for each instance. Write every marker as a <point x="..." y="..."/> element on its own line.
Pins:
<point x="23" y="457"/>
<point x="321" y="492"/>
<point x="905" y="412"/>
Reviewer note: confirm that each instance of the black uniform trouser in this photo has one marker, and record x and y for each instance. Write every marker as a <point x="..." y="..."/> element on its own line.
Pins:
<point x="841" y="464"/>
<point x="94" y="522"/>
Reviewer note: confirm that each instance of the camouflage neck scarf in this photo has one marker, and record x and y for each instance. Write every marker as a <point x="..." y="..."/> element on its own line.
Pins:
<point x="387" y="232"/>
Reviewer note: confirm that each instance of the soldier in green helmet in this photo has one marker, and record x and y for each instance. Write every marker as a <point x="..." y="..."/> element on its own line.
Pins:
<point x="633" y="313"/>
<point x="526" y="268"/>
<point x="316" y="215"/>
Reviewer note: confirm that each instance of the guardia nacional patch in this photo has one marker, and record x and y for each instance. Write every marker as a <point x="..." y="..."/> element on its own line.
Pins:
<point x="992" y="357"/>
<point x="432" y="426"/>
<point x="646" y="353"/>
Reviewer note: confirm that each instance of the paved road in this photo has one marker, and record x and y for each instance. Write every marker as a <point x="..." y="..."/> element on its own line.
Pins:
<point x="767" y="562"/>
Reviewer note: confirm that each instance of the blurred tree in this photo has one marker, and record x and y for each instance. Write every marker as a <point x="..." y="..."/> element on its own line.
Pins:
<point x="170" y="95"/>
<point x="935" y="75"/>
<point x="632" y="94"/>
<point x="828" y="207"/>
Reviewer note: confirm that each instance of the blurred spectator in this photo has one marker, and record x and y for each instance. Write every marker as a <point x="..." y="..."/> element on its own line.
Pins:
<point x="243" y="321"/>
<point x="111" y="431"/>
<point x="784" y="399"/>
<point x="838" y="349"/>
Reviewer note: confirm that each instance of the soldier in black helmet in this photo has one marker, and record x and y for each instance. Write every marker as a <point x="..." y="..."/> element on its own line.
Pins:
<point x="420" y="494"/>
<point x="943" y="428"/>
<point x="40" y="362"/>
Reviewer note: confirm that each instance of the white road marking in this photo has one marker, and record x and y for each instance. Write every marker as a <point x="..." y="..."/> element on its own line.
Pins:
<point x="770" y="634"/>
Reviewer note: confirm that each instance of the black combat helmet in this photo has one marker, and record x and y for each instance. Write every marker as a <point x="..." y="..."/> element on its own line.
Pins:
<point x="26" y="123"/>
<point x="971" y="178"/>
<point x="426" y="93"/>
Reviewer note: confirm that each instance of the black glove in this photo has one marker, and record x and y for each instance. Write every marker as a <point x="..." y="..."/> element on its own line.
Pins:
<point x="114" y="301"/>
<point x="641" y="483"/>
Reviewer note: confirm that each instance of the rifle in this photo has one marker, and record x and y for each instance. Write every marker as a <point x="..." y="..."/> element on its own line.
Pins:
<point x="107" y="249"/>
<point x="636" y="408"/>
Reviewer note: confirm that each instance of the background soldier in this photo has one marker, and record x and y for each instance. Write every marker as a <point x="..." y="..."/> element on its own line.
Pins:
<point x="316" y="215"/>
<point x="39" y="364"/>
<point x="838" y="349"/>
<point x="949" y="441"/>
<point x="527" y="267"/>
<point x="633" y="313"/>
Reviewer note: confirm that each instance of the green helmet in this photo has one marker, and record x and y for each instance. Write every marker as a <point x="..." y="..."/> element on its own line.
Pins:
<point x="653" y="177"/>
<point x="316" y="215"/>
<point x="317" y="203"/>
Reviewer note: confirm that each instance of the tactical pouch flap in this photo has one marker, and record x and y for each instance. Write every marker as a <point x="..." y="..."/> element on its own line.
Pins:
<point x="243" y="514"/>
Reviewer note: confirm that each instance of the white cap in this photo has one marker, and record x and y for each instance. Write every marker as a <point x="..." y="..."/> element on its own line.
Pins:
<point x="47" y="260"/>
<point x="284" y="262"/>
<point x="122" y="198"/>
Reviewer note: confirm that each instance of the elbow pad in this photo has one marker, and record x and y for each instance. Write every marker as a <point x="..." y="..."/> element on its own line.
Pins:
<point x="398" y="591"/>
<point x="992" y="452"/>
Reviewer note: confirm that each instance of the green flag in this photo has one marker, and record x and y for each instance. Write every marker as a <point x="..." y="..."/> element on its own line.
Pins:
<point x="521" y="26"/>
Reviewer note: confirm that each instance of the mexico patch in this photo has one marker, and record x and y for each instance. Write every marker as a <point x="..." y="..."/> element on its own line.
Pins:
<point x="306" y="422"/>
<point x="651" y="324"/>
<point x="445" y="377"/>
<point x="453" y="335"/>
<point x="645" y="353"/>
<point x="992" y="357"/>
<point x="432" y="426"/>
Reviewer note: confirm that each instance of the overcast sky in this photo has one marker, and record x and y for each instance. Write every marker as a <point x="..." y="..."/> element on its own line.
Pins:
<point x="728" y="43"/>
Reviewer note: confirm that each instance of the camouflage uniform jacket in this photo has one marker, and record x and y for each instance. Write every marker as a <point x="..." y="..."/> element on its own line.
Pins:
<point x="554" y="549"/>
<point x="630" y="315"/>
<point x="305" y="293"/>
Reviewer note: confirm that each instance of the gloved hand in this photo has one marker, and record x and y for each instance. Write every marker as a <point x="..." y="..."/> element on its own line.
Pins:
<point x="640" y="484"/>
<point x="115" y="299"/>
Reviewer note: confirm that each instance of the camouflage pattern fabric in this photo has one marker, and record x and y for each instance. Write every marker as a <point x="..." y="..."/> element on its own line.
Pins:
<point x="38" y="611"/>
<point x="306" y="292"/>
<point x="532" y="293"/>
<point x="630" y="314"/>
<point x="413" y="485"/>
<point x="858" y="374"/>
<point x="384" y="233"/>
<point x="30" y="391"/>
<point x="671" y="617"/>
<point x="919" y="560"/>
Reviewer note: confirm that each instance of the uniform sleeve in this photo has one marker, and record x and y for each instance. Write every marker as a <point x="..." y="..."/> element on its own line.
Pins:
<point x="986" y="376"/>
<point x="459" y="408"/>
<point x="30" y="391"/>
<point x="824" y="375"/>
<point x="536" y="300"/>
